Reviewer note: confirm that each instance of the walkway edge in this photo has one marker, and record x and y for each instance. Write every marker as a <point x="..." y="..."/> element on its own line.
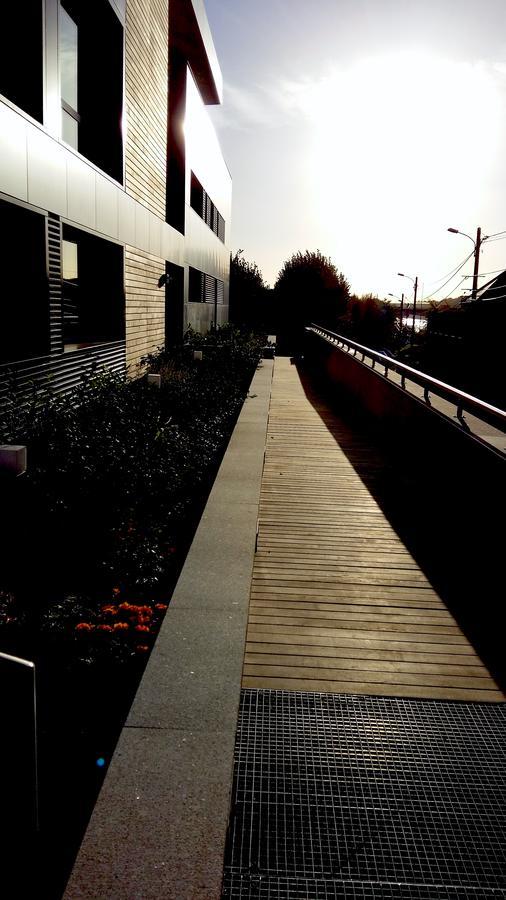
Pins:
<point x="159" y="826"/>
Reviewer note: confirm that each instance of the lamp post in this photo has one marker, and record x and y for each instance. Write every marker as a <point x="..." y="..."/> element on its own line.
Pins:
<point x="401" y="309"/>
<point x="415" y="282"/>
<point x="477" y="246"/>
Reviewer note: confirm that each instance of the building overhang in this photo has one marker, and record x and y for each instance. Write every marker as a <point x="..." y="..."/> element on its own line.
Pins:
<point x="190" y="34"/>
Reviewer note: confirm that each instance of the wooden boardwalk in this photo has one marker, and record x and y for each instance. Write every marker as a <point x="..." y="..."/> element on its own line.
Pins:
<point x="337" y="602"/>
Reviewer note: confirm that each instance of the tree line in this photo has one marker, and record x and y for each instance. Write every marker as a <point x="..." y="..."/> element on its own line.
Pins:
<point x="309" y="288"/>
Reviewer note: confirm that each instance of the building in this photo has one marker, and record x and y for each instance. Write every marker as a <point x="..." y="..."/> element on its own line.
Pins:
<point x="114" y="195"/>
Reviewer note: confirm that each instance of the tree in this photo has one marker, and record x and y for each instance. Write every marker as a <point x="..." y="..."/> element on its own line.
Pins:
<point x="248" y="294"/>
<point x="309" y="289"/>
<point x="370" y="321"/>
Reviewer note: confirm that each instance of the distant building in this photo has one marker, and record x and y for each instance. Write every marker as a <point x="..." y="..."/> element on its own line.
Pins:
<point x="494" y="289"/>
<point x="112" y="182"/>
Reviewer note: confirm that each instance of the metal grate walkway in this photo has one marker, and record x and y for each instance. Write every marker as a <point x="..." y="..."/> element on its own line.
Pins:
<point x="367" y="797"/>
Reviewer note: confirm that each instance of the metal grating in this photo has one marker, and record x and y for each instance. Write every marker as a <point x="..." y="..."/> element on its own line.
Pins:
<point x="367" y="797"/>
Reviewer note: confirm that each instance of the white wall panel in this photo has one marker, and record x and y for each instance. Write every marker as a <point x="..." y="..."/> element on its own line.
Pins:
<point x="107" y="206"/>
<point x="204" y="250"/>
<point x="80" y="192"/>
<point x="155" y="235"/>
<point x="13" y="159"/>
<point x="172" y="245"/>
<point x="126" y="218"/>
<point x="203" y="154"/>
<point x="47" y="172"/>
<point x="141" y="227"/>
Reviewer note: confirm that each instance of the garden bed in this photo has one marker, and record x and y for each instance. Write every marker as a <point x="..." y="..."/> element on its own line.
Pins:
<point x="95" y="535"/>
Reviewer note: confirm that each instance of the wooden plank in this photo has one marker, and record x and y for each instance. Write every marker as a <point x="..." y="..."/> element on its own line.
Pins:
<point x="384" y="654"/>
<point x="373" y="665"/>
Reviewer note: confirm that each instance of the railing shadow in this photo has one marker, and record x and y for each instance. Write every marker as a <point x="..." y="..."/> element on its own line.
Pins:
<point x="445" y="515"/>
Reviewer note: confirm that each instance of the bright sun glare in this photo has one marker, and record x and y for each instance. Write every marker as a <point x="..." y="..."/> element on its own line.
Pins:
<point x="405" y="138"/>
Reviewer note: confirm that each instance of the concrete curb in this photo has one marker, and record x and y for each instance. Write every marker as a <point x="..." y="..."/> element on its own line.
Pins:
<point x="159" y="826"/>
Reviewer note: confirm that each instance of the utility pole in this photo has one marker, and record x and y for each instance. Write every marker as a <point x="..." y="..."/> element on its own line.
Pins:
<point x="414" y="312"/>
<point x="477" y="247"/>
<point x="402" y="310"/>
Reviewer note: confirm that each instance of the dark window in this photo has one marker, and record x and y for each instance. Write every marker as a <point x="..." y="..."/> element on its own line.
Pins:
<point x="197" y="196"/>
<point x="93" y="295"/>
<point x="21" y="61"/>
<point x="205" y="288"/>
<point x="68" y="59"/>
<point x="201" y="202"/>
<point x="24" y="297"/>
<point x="90" y="44"/>
<point x="196" y="286"/>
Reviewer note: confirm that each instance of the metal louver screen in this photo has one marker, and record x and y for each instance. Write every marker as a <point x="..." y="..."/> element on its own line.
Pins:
<point x="210" y="288"/>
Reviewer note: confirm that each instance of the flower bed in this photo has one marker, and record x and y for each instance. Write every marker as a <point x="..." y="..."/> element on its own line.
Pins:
<point x="95" y="534"/>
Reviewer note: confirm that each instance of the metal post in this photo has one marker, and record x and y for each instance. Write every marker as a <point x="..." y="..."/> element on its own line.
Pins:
<point x="477" y="247"/>
<point x="414" y="312"/>
<point x="18" y="750"/>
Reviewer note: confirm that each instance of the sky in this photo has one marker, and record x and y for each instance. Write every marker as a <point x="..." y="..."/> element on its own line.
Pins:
<point x="364" y="129"/>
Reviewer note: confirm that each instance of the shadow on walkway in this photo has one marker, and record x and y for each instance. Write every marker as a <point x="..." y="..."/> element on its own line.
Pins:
<point x="447" y="516"/>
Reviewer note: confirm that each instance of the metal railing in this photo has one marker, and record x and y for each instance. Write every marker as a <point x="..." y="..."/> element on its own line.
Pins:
<point x="463" y="402"/>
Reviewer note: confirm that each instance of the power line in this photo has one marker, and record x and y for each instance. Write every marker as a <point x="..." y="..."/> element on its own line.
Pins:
<point x="492" y="240"/>
<point x="453" y="271"/>
<point x="451" y="278"/>
<point x="453" y="289"/>
<point x="489" y="273"/>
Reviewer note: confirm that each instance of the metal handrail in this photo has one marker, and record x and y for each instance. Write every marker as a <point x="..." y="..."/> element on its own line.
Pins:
<point x="462" y="401"/>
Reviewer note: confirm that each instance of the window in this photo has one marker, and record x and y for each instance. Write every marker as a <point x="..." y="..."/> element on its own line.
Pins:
<point x="90" y="50"/>
<point x="67" y="47"/>
<point x="93" y="296"/>
<point x="201" y="202"/>
<point x="205" y="288"/>
<point x="21" y="61"/>
<point x="24" y="295"/>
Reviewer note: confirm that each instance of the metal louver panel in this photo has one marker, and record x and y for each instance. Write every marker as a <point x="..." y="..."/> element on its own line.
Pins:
<point x="58" y="374"/>
<point x="210" y="288"/>
<point x="53" y="238"/>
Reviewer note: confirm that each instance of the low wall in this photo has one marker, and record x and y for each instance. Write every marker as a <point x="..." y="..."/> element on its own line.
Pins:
<point x="398" y="414"/>
<point x="159" y="826"/>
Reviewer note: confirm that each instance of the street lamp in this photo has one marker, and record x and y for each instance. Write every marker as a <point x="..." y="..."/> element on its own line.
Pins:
<point x="402" y="308"/>
<point x="415" y="282"/>
<point x="477" y="246"/>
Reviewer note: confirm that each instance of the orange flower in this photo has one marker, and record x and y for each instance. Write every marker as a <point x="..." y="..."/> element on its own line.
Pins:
<point x="120" y="626"/>
<point x="110" y="610"/>
<point x="142" y="648"/>
<point x="116" y="591"/>
<point x="161" y="606"/>
<point x="142" y="628"/>
<point x="144" y="620"/>
<point x="84" y="626"/>
<point x="105" y="628"/>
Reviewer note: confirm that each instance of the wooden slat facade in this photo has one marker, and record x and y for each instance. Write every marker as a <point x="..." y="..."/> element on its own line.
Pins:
<point x="146" y="81"/>
<point x="337" y="602"/>
<point x="145" y="305"/>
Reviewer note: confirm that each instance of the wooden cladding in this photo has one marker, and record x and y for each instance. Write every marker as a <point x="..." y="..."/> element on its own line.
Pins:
<point x="146" y="73"/>
<point x="145" y="305"/>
